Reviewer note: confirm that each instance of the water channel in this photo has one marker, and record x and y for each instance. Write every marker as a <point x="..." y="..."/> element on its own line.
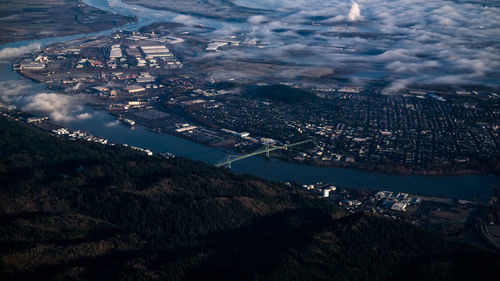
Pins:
<point x="470" y="187"/>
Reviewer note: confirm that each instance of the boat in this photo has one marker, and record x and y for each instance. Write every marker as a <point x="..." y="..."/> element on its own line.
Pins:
<point x="129" y="122"/>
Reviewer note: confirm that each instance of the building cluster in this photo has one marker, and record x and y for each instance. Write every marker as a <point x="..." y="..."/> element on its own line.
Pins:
<point x="453" y="217"/>
<point x="352" y="127"/>
<point x="320" y="188"/>
<point x="397" y="202"/>
<point x="216" y="45"/>
<point x="147" y="151"/>
<point x="403" y="131"/>
<point x="79" y="135"/>
<point x="88" y="137"/>
<point x="120" y="67"/>
<point x="376" y="202"/>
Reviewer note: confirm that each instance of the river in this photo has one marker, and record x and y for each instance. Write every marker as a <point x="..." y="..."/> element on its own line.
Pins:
<point x="100" y="123"/>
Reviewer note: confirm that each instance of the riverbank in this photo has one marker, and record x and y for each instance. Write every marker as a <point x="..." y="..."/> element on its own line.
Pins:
<point x="380" y="168"/>
<point x="166" y="126"/>
<point x="394" y="170"/>
<point x="80" y="210"/>
<point x="177" y="121"/>
<point x="102" y="124"/>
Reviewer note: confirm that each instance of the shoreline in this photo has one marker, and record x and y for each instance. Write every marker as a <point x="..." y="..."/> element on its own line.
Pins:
<point x="359" y="166"/>
<point x="289" y="160"/>
<point x="365" y="167"/>
<point x="388" y="170"/>
<point x="390" y="182"/>
<point x="342" y="165"/>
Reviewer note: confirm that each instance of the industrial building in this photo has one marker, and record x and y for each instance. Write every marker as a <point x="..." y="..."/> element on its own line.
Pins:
<point x="145" y="77"/>
<point x="237" y="134"/>
<point x="155" y="51"/>
<point x="185" y="129"/>
<point x="116" y="52"/>
<point x="134" y="89"/>
<point x="32" y="66"/>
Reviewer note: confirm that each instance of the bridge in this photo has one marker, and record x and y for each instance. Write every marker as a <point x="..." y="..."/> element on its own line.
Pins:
<point x="265" y="150"/>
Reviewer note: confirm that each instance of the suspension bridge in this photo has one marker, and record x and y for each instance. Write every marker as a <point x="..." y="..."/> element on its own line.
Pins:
<point x="265" y="150"/>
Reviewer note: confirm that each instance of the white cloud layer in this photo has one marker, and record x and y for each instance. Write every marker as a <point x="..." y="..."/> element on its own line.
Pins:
<point x="355" y="12"/>
<point x="256" y="19"/>
<point x="410" y="41"/>
<point x="7" y="54"/>
<point x="58" y="107"/>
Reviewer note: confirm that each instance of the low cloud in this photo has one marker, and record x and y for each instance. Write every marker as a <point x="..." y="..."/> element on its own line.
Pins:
<point x="57" y="106"/>
<point x="355" y="12"/>
<point x="186" y="20"/>
<point x="401" y="67"/>
<point x="257" y="19"/>
<point x="337" y="18"/>
<point x="84" y="116"/>
<point x="9" y="53"/>
<point x="399" y="84"/>
<point x="112" y="124"/>
<point x="402" y="41"/>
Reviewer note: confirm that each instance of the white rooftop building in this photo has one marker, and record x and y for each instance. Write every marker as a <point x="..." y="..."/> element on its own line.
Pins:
<point x="116" y="52"/>
<point x="399" y="206"/>
<point x="155" y="51"/>
<point x="145" y="77"/>
<point x="134" y="89"/>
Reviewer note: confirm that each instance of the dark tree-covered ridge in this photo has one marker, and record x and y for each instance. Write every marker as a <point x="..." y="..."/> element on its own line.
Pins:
<point x="73" y="210"/>
<point x="283" y="93"/>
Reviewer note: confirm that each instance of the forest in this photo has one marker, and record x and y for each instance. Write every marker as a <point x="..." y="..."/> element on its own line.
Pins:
<point x="74" y="210"/>
<point x="282" y="93"/>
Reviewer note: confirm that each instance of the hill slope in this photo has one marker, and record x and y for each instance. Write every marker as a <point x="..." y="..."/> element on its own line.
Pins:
<point x="83" y="211"/>
<point x="283" y="93"/>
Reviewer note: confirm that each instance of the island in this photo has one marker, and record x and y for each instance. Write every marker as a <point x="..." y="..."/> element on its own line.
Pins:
<point x="34" y="19"/>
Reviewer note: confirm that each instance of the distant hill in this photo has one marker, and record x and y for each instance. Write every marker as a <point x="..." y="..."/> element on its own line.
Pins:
<point x="283" y="93"/>
<point x="72" y="210"/>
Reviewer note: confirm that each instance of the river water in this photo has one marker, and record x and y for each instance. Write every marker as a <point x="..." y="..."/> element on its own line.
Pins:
<point x="100" y="123"/>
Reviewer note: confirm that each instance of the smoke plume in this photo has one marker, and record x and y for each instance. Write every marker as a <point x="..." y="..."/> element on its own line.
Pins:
<point x="355" y="12"/>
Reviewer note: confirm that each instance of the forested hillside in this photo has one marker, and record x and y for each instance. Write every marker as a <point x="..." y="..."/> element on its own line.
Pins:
<point x="72" y="210"/>
<point x="282" y="93"/>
